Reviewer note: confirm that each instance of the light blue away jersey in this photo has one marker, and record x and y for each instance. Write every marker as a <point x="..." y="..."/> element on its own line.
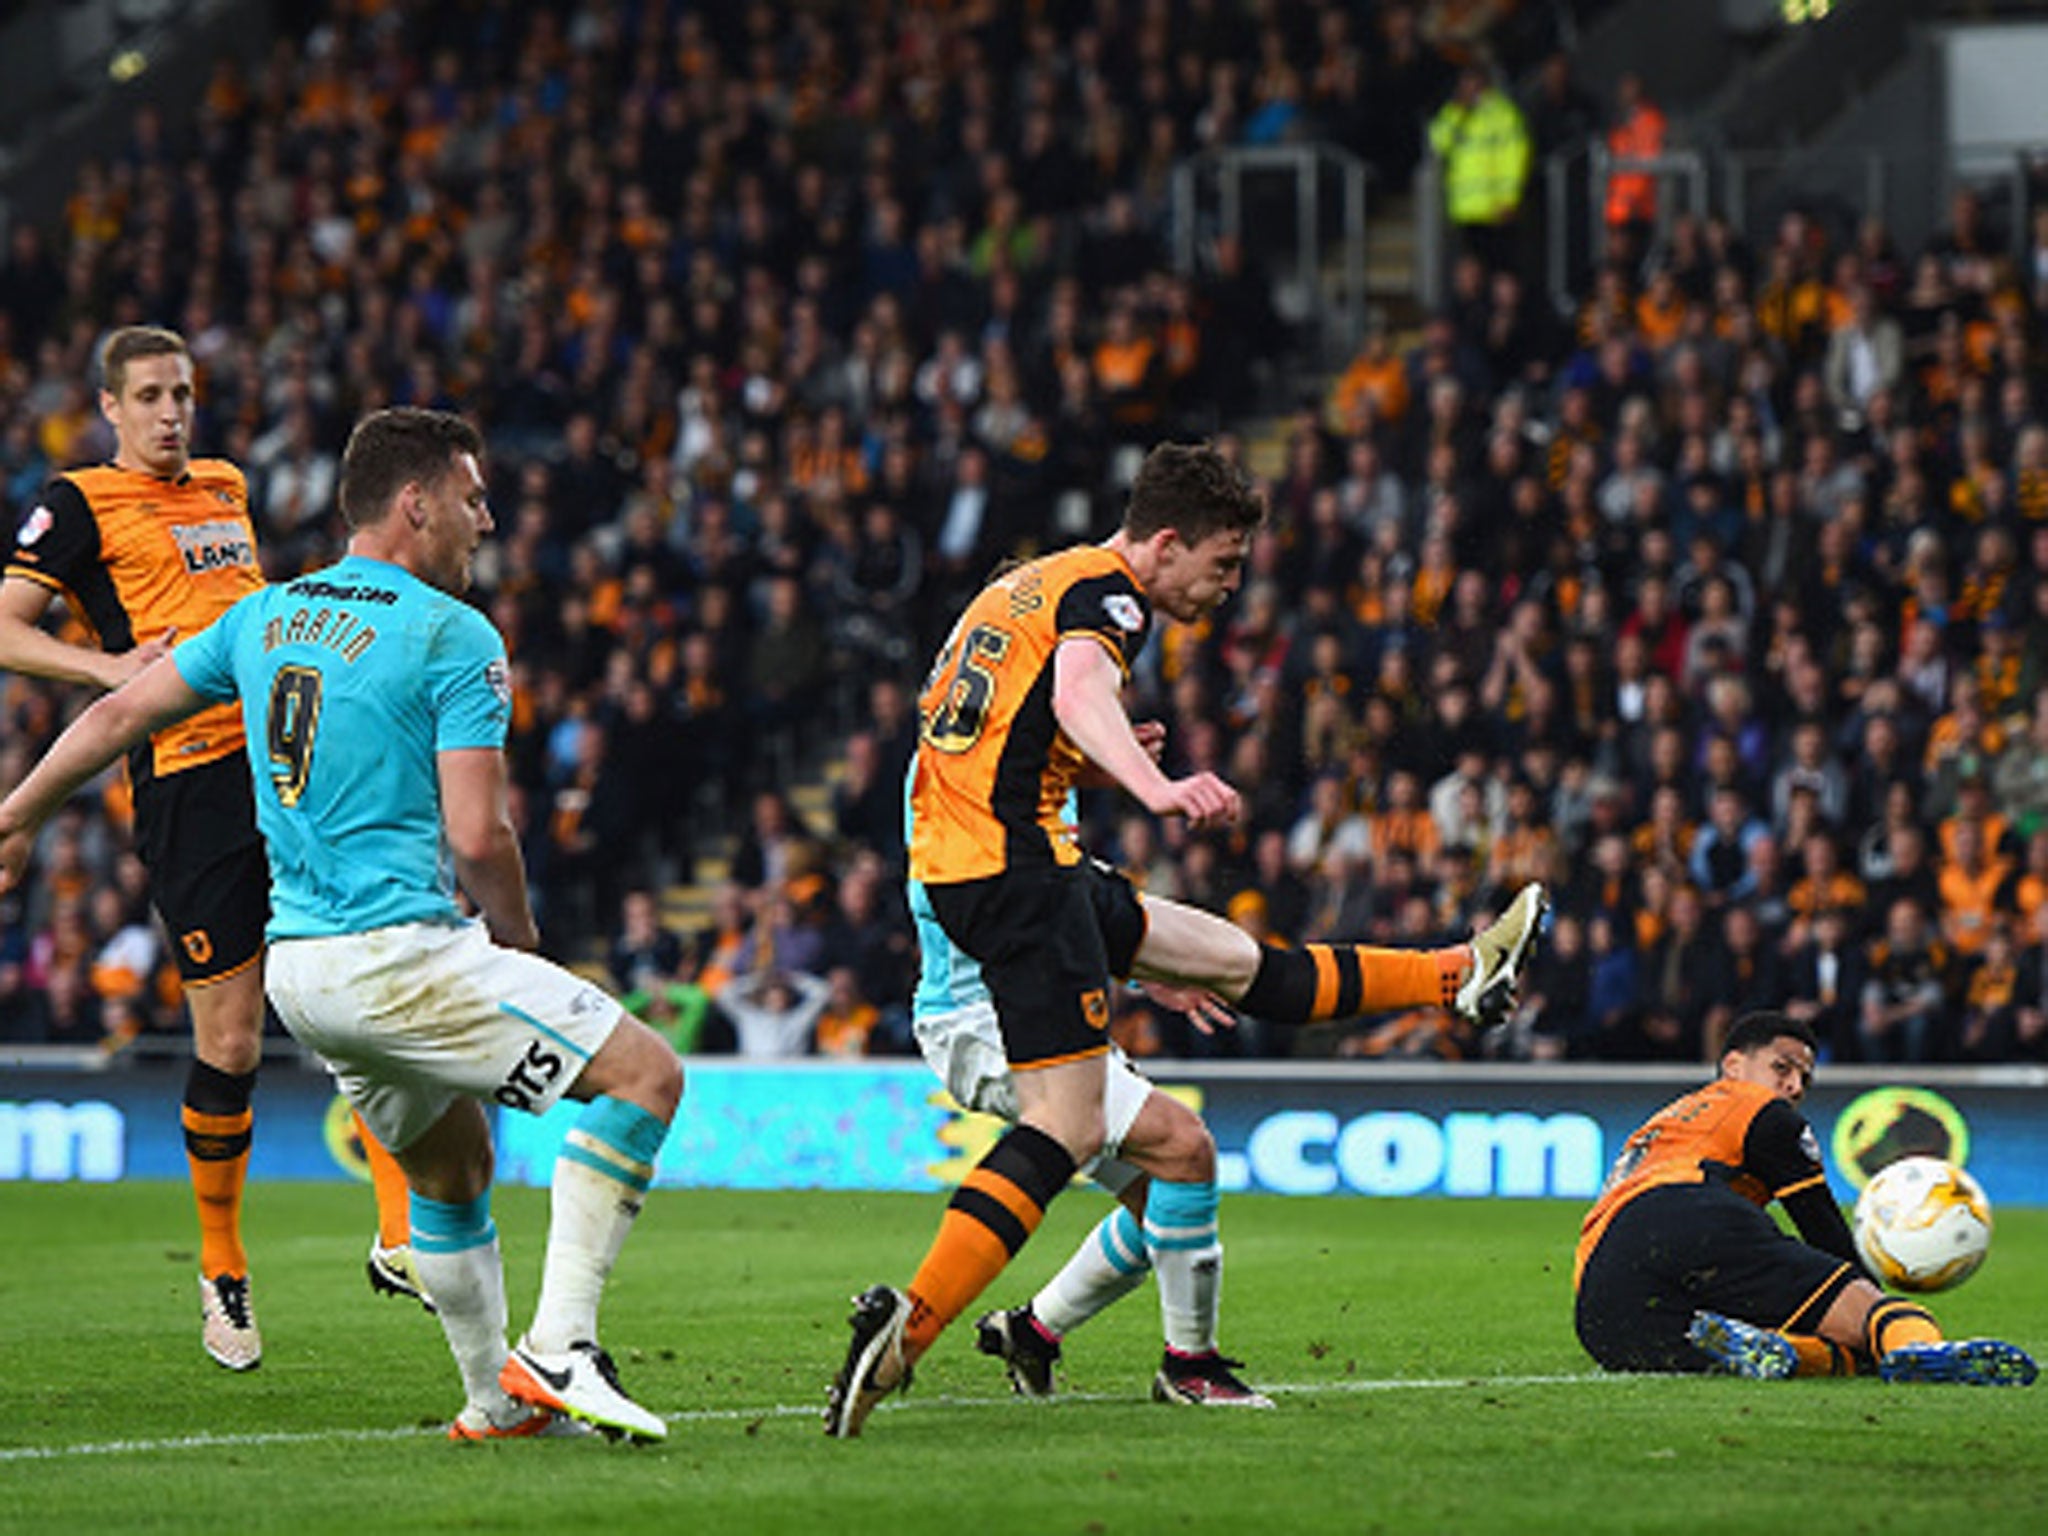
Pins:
<point x="351" y="680"/>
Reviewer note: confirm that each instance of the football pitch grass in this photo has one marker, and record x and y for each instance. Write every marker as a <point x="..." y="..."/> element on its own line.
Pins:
<point x="1421" y="1354"/>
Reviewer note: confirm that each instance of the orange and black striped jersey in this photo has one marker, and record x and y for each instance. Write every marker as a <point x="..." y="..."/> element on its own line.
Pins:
<point x="994" y="769"/>
<point x="1738" y="1134"/>
<point x="134" y="556"/>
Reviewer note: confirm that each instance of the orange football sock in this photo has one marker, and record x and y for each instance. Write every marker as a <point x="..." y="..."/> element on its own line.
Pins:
<point x="1340" y="981"/>
<point x="217" y="1151"/>
<point x="394" y="1195"/>
<point x="992" y="1214"/>
<point x="1820" y="1357"/>
<point x="1895" y="1321"/>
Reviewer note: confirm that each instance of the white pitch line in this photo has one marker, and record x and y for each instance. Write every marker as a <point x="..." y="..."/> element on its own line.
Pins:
<point x="774" y="1411"/>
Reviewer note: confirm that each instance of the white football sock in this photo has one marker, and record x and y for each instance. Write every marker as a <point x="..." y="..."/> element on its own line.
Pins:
<point x="1187" y="1253"/>
<point x="1110" y="1263"/>
<point x="455" y="1248"/>
<point x="600" y="1183"/>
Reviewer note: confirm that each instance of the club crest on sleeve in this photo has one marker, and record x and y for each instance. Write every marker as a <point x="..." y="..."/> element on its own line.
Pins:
<point x="1124" y="612"/>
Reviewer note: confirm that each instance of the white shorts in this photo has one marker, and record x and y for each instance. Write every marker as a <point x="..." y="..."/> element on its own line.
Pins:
<point x="410" y="1018"/>
<point x="965" y="1048"/>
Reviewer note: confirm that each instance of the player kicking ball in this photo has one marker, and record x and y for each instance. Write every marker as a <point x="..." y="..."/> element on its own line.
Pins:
<point x="1026" y="693"/>
<point x="1681" y="1268"/>
<point x="377" y="704"/>
<point x="1158" y="1161"/>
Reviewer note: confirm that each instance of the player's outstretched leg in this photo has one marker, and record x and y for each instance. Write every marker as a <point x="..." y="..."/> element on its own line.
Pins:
<point x="1742" y="1349"/>
<point x="1475" y="980"/>
<point x="1500" y="954"/>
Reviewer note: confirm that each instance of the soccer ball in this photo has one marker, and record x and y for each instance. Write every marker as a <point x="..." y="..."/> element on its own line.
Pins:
<point x="1922" y="1224"/>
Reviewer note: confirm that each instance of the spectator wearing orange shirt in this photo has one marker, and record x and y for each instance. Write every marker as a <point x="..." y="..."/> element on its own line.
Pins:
<point x="1372" y="391"/>
<point x="1638" y="133"/>
<point x="1976" y="888"/>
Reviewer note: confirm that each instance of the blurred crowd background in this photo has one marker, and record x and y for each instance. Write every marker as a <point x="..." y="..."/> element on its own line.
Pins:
<point x="1718" y="599"/>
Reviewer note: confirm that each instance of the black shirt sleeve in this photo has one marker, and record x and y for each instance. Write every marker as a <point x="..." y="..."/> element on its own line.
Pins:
<point x="1110" y="607"/>
<point x="1781" y="1150"/>
<point x="59" y="540"/>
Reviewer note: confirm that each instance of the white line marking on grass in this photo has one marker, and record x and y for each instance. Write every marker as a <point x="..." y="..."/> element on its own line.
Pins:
<point x="774" y="1411"/>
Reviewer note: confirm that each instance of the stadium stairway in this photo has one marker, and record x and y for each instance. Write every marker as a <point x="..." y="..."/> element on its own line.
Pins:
<point x="1391" y="265"/>
<point x="686" y="906"/>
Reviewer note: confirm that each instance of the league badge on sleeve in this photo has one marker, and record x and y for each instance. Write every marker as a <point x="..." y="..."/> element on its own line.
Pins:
<point x="34" y="526"/>
<point x="1124" y="612"/>
<point x="499" y="676"/>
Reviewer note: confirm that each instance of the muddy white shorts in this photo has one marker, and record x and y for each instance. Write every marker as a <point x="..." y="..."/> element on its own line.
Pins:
<point x="411" y="1017"/>
<point x="966" y="1050"/>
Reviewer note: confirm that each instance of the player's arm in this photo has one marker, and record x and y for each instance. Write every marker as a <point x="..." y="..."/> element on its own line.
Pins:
<point x="1087" y="700"/>
<point x="476" y="814"/>
<point x="1151" y="736"/>
<point x="26" y="647"/>
<point x="1781" y="1149"/>
<point x="115" y="722"/>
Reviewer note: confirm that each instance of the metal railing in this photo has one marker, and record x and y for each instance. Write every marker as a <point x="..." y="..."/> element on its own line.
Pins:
<point x="1910" y="195"/>
<point x="1321" y="281"/>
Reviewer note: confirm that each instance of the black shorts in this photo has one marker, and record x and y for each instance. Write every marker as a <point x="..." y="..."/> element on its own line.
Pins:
<point x="1048" y="940"/>
<point x="196" y="832"/>
<point x="1676" y="1249"/>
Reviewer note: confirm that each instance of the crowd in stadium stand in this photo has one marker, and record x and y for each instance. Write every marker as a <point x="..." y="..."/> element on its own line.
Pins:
<point x="1721" y="605"/>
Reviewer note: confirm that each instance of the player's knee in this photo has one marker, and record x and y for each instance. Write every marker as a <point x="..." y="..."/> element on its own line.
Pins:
<point x="651" y="1072"/>
<point x="229" y="1041"/>
<point x="1077" y="1128"/>
<point x="635" y="1065"/>
<point x="1190" y="1152"/>
<point x="227" y="1023"/>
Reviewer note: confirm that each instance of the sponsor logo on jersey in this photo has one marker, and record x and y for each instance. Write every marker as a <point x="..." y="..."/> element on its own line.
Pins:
<point x="336" y="593"/>
<point x="1124" y="612"/>
<point x="213" y="546"/>
<point x="34" y="526"/>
